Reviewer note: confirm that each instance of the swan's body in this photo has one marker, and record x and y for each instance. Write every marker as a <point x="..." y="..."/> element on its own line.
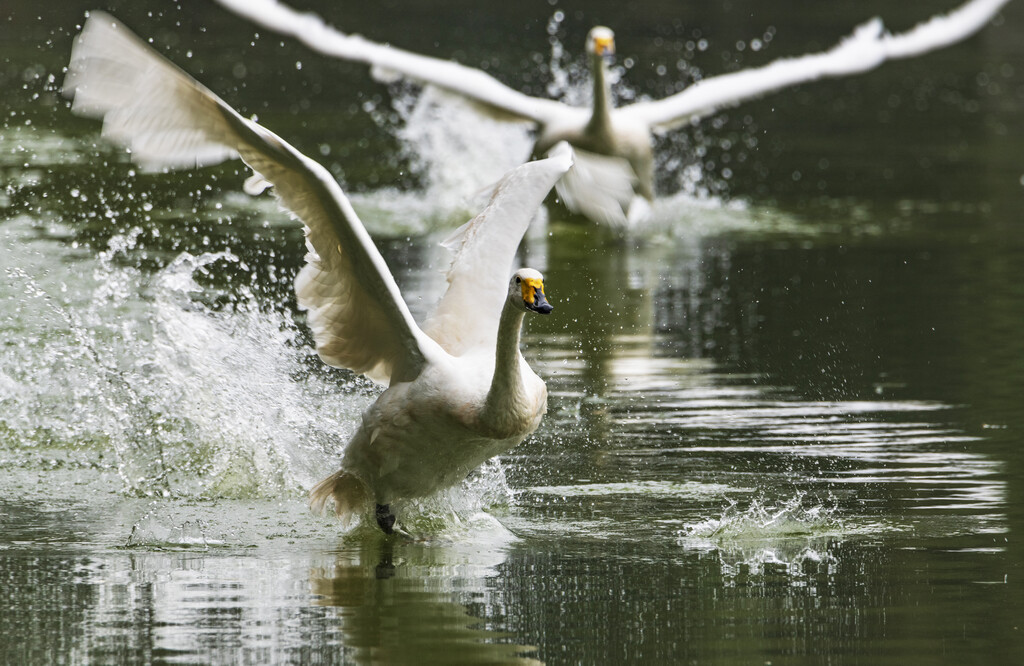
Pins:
<point x="453" y="410"/>
<point x="459" y="391"/>
<point x="612" y="180"/>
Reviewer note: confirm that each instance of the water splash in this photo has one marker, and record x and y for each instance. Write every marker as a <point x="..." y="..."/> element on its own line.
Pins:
<point x="66" y="383"/>
<point x="193" y="401"/>
<point x="789" y="539"/>
<point x="767" y="521"/>
<point x="459" y="150"/>
<point x="151" y="533"/>
<point x="199" y="392"/>
<point x="569" y="78"/>
<point x="235" y="381"/>
<point x="559" y="83"/>
<point x="458" y="509"/>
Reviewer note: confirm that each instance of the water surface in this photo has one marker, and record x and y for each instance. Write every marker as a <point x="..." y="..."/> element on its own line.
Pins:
<point x="785" y="420"/>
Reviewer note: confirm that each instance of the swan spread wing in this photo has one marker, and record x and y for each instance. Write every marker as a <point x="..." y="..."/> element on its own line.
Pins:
<point x="168" y="119"/>
<point x="389" y="62"/>
<point x="868" y="47"/>
<point x="483" y="250"/>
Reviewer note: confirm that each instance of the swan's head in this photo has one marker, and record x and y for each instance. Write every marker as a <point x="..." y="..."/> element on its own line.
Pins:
<point x="526" y="291"/>
<point x="601" y="42"/>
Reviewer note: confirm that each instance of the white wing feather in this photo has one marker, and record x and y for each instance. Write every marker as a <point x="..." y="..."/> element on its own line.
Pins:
<point x="483" y="250"/>
<point x="387" y="61"/>
<point x="168" y="119"/>
<point x="600" y="187"/>
<point x="867" y="48"/>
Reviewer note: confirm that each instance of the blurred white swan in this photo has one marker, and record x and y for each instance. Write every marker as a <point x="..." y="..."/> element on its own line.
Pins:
<point x="612" y="180"/>
<point x="459" y="390"/>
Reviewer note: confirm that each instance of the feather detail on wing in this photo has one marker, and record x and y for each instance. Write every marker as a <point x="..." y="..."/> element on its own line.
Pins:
<point x="868" y="47"/>
<point x="484" y="249"/>
<point x="388" y="63"/>
<point x="168" y="119"/>
<point x="600" y="187"/>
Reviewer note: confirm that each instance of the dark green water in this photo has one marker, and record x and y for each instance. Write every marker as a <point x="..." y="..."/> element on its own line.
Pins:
<point x="785" y="421"/>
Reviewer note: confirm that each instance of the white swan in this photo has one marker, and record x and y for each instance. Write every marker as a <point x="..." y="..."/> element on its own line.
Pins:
<point x="459" y="389"/>
<point x="612" y="179"/>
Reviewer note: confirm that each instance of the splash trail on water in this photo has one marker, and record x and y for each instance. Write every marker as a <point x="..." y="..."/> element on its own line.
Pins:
<point x="197" y="392"/>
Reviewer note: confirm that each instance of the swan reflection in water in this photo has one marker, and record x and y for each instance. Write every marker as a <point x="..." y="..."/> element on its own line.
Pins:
<point x="403" y="601"/>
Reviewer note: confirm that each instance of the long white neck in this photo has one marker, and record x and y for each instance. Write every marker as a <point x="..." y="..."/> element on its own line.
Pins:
<point x="507" y="383"/>
<point x="601" y="120"/>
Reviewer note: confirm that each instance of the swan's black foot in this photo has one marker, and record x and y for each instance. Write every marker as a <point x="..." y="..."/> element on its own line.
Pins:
<point x="385" y="518"/>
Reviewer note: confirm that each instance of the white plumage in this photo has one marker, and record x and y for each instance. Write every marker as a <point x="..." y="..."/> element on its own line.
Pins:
<point x="459" y="391"/>
<point x="612" y="180"/>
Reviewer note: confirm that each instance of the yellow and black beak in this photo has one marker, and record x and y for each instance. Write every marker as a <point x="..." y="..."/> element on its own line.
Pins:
<point x="604" y="47"/>
<point x="533" y="296"/>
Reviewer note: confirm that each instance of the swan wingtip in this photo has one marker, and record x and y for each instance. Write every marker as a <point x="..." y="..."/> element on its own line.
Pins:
<point x="562" y="155"/>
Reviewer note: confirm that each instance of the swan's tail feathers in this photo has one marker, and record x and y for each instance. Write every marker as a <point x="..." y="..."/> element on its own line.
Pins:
<point x="349" y="493"/>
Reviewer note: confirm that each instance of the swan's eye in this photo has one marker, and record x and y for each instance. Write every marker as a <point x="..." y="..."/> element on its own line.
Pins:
<point x="518" y="279"/>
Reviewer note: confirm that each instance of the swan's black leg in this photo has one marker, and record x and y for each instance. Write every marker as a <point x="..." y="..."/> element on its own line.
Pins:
<point x="385" y="567"/>
<point x="385" y="518"/>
